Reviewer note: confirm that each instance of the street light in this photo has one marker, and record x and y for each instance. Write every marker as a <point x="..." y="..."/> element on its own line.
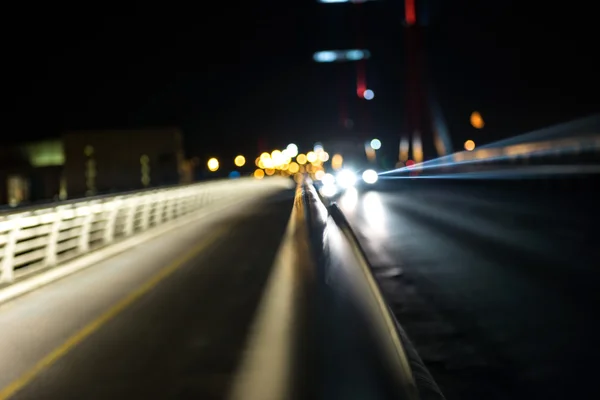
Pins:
<point x="337" y="161"/>
<point x="259" y="174"/>
<point x="376" y="144"/>
<point x="240" y="161"/>
<point x="292" y="150"/>
<point x="277" y="157"/>
<point x="469" y="145"/>
<point x="477" y="120"/>
<point x="213" y="164"/>
<point x="343" y="1"/>
<point x="329" y="56"/>
<point x="301" y="159"/>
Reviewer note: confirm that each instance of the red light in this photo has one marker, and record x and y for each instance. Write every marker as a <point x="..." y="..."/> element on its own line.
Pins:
<point x="410" y="163"/>
<point x="409" y="11"/>
<point x="361" y="84"/>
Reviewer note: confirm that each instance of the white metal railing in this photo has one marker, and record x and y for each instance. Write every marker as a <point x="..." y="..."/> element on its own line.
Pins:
<point x="43" y="237"/>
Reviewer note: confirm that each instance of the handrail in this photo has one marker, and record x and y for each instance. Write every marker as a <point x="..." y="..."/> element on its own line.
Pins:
<point x="49" y="203"/>
<point x="580" y="153"/>
<point x="44" y="237"/>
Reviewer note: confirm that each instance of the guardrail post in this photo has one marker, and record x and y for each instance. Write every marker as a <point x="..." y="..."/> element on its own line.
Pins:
<point x="146" y="207"/>
<point x="50" y="258"/>
<point x="177" y="205"/>
<point x="111" y="221"/>
<point x="185" y="200"/>
<point x="7" y="273"/>
<point x="159" y="209"/>
<point x="130" y="221"/>
<point x="84" y="236"/>
<point x="187" y="204"/>
<point x="197" y="201"/>
<point x="170" y="206"/>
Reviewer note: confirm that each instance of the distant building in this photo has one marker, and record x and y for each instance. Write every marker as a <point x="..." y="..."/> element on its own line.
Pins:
<point x="92" y="162"/>
<point x="14" y="173"/>
<point x="115" y="161"/>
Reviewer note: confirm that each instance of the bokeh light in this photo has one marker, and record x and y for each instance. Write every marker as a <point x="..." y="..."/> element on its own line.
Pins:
<point x="376" y="144"/>
<point x="259" y="174"/>
<point x="311" y="156"/>
<point x="293" y="167"/>
<point x="477" y="120"/>
<point x="370" y="176"/>
<point x="240" y="161"/>
<point x="292" y="150"/>
<point x="337" y="161"/>
<point x="213" y="164"/>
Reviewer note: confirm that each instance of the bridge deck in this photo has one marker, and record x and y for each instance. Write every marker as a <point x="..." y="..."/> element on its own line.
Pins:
<point x="166" y="319"/>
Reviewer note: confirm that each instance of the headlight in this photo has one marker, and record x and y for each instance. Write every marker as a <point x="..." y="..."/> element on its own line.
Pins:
<point x="328" y="191"/>
<point x="328" y="180"/>
<point x="346" y="179"/>
<point x="370" y="176"/>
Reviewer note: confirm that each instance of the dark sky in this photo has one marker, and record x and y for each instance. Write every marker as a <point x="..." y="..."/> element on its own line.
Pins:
<point x="231" y="72"/>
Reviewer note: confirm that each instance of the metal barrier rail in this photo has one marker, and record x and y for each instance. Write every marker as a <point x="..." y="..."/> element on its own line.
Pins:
<point x="40" y="238"/>
<point x="278" y="363"/>
<point x="407" y="372"/>
<point x="317" y="332"/>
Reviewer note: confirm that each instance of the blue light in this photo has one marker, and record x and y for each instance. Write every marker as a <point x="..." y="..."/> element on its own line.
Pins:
<point x="355" y="55"/>
<point x="329" y="56"/>
<point x="325" y="56"/>
<point x="234" y="174"/>
<point x="342" y="1"/>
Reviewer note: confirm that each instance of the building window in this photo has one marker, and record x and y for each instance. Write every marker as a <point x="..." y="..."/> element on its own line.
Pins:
<point x="18" y="190"/>
<point x="145" y="163"/>
<point x="90" y="171"/>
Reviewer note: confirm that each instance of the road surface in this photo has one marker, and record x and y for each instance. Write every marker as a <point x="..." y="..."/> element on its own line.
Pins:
<point x="497" y="285"/>
<point x="165" y="320"/>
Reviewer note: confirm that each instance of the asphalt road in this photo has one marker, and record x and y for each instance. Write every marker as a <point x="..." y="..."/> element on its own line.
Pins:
<point x="497" y="284"/>
<point x="175" y="335"/>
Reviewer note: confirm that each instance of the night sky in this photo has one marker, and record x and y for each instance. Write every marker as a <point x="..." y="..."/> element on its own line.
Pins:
<point x="229" y="73"/>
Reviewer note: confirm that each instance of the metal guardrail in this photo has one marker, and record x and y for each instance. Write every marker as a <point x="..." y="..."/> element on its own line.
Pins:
<point x="407" y="375"/>
<point x="574" y="147"/>
<point x="424" y="382"/>
<point x="321" y="329"/>
<point x="356" y="323"/>
<point x="40" y="238"/>
<point x="279" y="360"/>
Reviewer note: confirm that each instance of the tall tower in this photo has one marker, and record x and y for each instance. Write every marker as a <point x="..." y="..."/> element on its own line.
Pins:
<point x="425" y="133"/>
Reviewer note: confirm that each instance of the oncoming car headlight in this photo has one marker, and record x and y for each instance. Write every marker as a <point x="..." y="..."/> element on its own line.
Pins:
<point x="370" y="176"/>
<point x="346" y="179"/>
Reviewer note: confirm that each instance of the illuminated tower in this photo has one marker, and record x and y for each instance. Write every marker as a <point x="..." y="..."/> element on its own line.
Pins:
<point x="425" y="131"/>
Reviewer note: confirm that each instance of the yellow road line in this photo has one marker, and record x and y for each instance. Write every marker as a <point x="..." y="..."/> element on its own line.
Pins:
<point x="108" y="315"/>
